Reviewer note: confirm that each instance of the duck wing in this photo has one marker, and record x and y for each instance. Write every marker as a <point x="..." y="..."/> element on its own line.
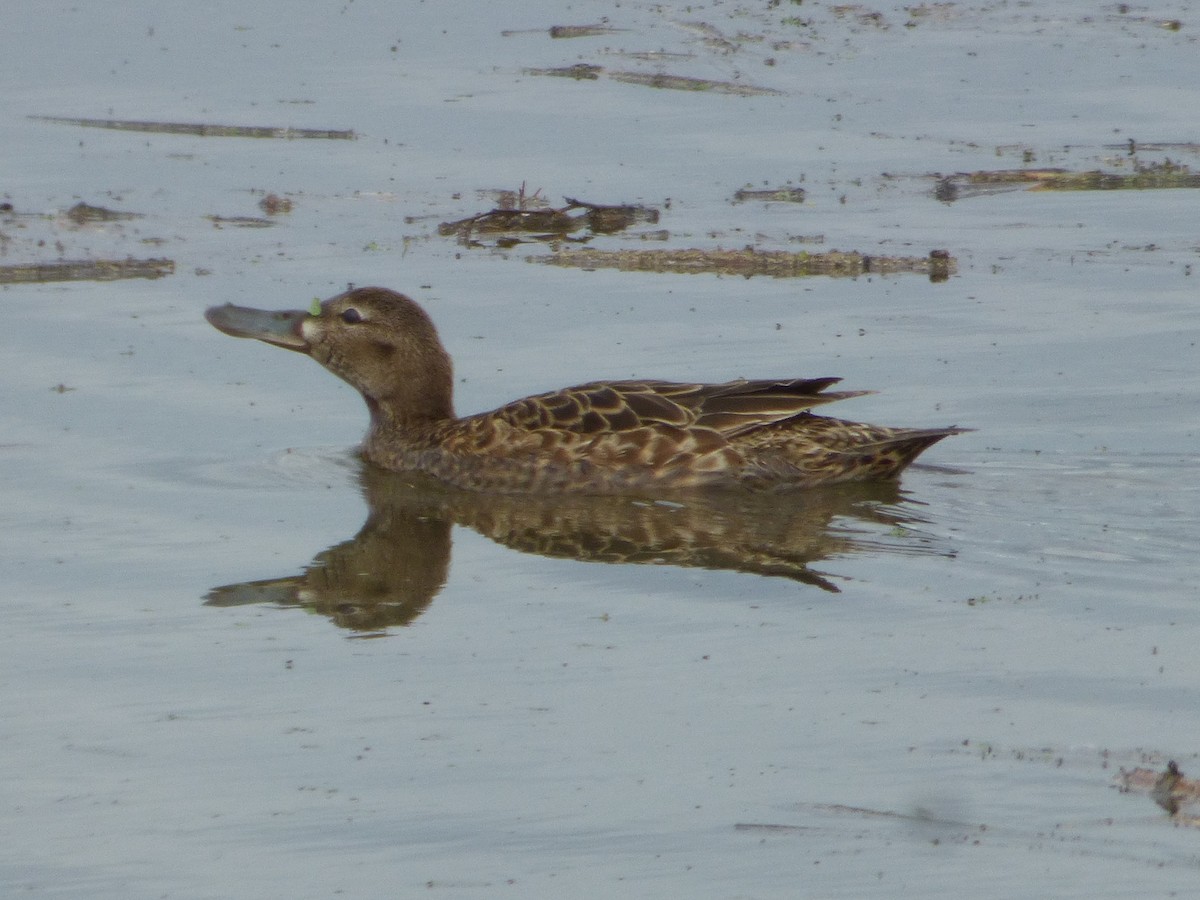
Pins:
<point x="728" y="409"/>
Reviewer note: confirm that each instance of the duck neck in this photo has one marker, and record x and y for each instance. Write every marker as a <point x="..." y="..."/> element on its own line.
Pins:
<point x="393" y="418"/>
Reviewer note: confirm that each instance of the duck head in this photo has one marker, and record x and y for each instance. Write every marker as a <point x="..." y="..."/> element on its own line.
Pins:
<point x="380" y="342"/>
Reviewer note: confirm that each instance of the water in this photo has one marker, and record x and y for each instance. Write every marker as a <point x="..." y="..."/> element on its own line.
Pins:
<point x="948" y="722"/>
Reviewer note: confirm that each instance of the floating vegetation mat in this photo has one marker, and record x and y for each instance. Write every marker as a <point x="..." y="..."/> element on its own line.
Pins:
<point x="83" y="213"/>
<point x="509" y="226"/>
<point x="938" y="265"/>
<point x="786" y="194"/>
<point x="1153" y="176"/>
<point x="86" y="270"/>
<point x="201" y="129"/>
<point x="588" y="72"/>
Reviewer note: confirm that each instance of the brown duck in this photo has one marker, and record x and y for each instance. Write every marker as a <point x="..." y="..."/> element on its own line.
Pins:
<point x="605" y="437"/>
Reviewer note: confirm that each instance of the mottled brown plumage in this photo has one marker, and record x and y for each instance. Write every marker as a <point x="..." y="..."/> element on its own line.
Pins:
<point x="603" y="437"/>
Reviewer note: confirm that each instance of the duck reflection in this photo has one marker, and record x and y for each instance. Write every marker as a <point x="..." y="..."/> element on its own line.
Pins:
<point x="389" y="572"/>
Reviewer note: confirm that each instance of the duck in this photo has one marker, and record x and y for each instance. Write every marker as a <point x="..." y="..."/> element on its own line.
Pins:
<point x="635" y="437"/>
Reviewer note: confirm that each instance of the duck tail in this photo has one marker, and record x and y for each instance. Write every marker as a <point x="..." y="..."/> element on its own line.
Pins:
<point x="895" y="451"/>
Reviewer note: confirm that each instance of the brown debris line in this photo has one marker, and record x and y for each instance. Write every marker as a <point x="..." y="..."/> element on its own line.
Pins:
<point x="579" y="71"/>
<point x="86" y="270"/>
<point x="241" y="221"/>
<point x="785" y="194"/>
<point x="682" y="83"/>
<point x="82" y="213"/>
<point x="1133" y="146"/>
<point x="939" y="265"/>
<point x="919" y="816"/>
<point x="596" y="218"/>
<point x="1178" y="795"/>
<point x="1153" y="176"/>
<point x="1010" y="176"/>
<point x="201" y="129"/>
<point x="1157" y="176"/>
<point x="575" y="31"/>
<point x="588" y="72"/>
<point x="566" y="31"/>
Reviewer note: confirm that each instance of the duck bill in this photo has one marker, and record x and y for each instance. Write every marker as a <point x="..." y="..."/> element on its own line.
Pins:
<point x="281" y="328"/>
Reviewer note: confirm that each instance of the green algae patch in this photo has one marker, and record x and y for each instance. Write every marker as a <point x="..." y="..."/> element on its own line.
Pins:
<point x="938" y="265"/>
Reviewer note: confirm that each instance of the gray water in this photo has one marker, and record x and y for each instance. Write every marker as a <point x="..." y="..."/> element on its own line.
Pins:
<point x="1013" y="627"/>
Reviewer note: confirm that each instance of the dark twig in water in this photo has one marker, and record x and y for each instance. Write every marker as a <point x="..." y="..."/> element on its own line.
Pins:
<point x="201" y="129"/>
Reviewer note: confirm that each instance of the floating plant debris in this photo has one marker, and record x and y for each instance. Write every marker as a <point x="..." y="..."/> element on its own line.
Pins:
<point x="545" y="223"/>
<point x="240" y="221"/>
<point x="274" y="205"/>
<point x="201" y="129"/>
<point x="575" y="31"/>
<point x="86" y="270"/>
<point x="1170" y="789"/>
<point x="579" y="71"/>
<point x="770" y="195"/>
<point x="1152" y="176"/>
<point x="566" y="31"/>
<point x="939" y="265"/>
<point x="588" y="72"/>
<point x="82" y="213"/>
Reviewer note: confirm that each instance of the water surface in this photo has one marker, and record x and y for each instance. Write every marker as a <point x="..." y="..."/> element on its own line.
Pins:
<point x="1011" y="628"/>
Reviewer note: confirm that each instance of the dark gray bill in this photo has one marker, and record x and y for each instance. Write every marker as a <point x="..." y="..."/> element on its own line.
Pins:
<point x="281" y="328"/>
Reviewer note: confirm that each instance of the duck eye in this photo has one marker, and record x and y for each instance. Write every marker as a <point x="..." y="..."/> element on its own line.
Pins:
<point x="351" y="316"/>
